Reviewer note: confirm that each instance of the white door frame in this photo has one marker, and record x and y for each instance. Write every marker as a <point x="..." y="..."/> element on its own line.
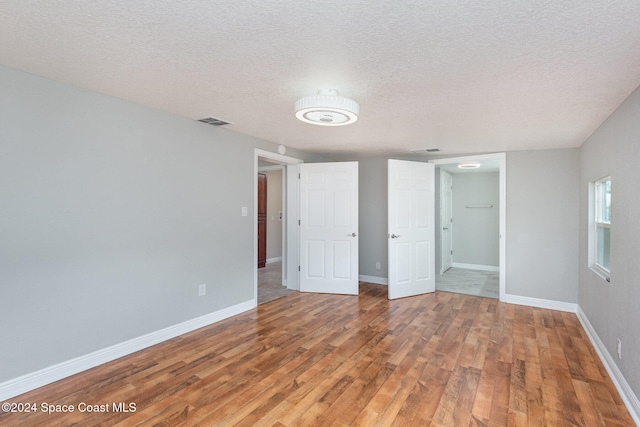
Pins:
<point x="291" y="216"/>
<point x="443" y="209"/>
<point x="502" y="161"/>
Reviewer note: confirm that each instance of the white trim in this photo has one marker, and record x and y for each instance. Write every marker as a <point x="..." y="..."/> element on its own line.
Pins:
<point x="277" y="157"/>
<point x="541" y="303"/>
<point x="272" y="260"/>
<point x="502" y="160"/>
<point x="373" y="279"/>
<point x="292" y="215"/>
<point x="33" y="380"/>
<point x="475" y="266"/>
<point x="270" y="168"/>
<point x="626" y="393"/>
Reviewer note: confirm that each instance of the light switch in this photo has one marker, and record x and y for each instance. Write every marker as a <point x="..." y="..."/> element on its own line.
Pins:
<point x="244" y="211"/>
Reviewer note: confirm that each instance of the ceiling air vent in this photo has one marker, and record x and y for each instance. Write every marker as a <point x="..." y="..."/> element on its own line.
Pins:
<point x="426" y="150"/>
<point x="214" y="122"/>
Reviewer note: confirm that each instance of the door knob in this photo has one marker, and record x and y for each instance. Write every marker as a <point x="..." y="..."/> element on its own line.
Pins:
<point x="352" y="234"/>
<point x="395" y="236"/>
<point x="445" y="228"/>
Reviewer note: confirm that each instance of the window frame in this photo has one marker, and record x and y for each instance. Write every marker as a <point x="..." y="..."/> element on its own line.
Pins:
<point x="598" y="205"/>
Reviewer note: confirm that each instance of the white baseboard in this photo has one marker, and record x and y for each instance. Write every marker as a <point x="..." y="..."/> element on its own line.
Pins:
<point x="28" y="382"/>
<point x="628" y="396"/>
<point x="475" y="266"/>
<point x="541" y="303"/>
<point x="272" y="260"/>
<point x="373" y="279"/>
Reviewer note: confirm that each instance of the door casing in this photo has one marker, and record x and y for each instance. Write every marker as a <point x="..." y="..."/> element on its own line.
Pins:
<point x="291" y="216"/>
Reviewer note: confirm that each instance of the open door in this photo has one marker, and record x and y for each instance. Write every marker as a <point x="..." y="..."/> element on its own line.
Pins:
<point x="411" y="209"/>
<point x="329" y="227"/>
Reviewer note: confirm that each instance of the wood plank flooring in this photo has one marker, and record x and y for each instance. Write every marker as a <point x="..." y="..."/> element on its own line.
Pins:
<point x="441" y="359"/>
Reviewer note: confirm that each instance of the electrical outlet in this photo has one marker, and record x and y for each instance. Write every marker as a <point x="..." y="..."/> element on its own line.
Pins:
<point x="377" y="266"/>
<point x="202" y="289"/>
<point x="619" y="348"/>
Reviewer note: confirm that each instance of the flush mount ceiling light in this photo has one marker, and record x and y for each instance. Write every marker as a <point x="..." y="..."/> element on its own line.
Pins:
<point x="469" y="165"/>
<point x="327" y="108"/>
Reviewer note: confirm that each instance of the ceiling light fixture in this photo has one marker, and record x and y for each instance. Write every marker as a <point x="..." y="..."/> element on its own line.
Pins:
<point x="327" y="108"/>
<point x="469" y="165"/>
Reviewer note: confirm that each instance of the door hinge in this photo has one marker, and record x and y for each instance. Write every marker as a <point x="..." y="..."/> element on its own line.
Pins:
<point x="298" y="176"/>
<point x="298" y="222"/>
<point x="298" y="268"/>
<point x="451" y="252"/>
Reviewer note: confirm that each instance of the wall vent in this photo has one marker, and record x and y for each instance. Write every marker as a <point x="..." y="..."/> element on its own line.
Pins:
<point x="426" y="150"/>
<point x="214" y="122"/>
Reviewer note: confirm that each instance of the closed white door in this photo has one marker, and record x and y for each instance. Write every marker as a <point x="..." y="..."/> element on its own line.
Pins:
<point x="411" y="235"/>
<point x="329" y="227"/>
<point x="446" y="212"/>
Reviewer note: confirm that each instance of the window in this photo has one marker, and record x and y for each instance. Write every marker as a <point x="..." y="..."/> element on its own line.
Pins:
<point x="601" y="232"/>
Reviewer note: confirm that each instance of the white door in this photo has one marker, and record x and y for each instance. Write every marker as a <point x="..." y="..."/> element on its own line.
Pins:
<point x="411" y="228"/>
<point x="329" y="227"/>
<point x="446" y="212"/>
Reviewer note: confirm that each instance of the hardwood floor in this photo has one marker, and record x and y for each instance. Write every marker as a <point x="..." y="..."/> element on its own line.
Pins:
<point x="441" y="359"/>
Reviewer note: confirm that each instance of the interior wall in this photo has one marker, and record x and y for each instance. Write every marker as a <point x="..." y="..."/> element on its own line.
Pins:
<point x="373" y="216"/>
<point x="274" y="208"/>
<point x="476" y="231"/>
<point x="112" y="215"/>
<point x="542" y="227"/>
<point x="612" y="308"/>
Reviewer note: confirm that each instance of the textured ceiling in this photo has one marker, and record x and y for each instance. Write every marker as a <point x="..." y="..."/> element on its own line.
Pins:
<point x="461" y="76"/>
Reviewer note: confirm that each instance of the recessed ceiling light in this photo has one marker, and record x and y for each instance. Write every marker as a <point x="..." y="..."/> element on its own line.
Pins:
<point x="469" y="165"/>
<point x="327" y="108"/>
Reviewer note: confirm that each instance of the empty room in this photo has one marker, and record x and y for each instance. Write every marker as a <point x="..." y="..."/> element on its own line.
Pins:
<point x="319" y="213"/>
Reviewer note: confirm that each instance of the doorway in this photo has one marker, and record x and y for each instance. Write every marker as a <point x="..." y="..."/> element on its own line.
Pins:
<point x="281" y="263"/>
<point x="271" y="206"/>
<point x="470" y="234"/>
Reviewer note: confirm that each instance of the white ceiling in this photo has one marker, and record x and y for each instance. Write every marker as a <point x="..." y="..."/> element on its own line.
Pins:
<point x="461" y="76"/>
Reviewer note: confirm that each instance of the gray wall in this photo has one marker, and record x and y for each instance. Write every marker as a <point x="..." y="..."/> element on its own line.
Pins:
<point x="542" y="225"/>
<point x="373" y="216"/>
<point x="613" y="308"/>
<point x="111" y="215"/>
<point x="476" y="231"/>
